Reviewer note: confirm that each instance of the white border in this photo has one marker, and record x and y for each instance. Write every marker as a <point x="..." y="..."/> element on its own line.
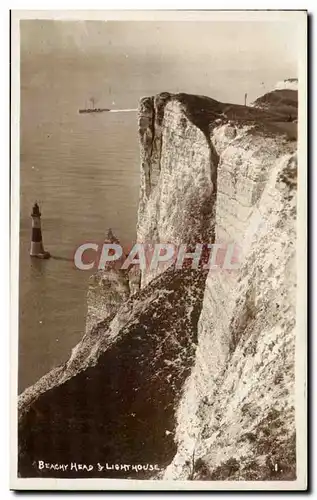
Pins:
<point x="157" y="15"/>
<point x="115" y="484"/>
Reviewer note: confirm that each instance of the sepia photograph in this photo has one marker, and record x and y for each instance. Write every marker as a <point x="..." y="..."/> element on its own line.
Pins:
<point x="158" y="179"/>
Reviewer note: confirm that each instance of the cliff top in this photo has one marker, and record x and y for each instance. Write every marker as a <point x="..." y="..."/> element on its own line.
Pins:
<point x="275" y="118"/>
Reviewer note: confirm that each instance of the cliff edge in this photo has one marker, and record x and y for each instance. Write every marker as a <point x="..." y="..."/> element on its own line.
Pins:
<point x="195" y="371"/>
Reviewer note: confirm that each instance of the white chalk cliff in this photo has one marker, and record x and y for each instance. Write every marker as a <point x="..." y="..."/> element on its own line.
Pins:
<point x="197" y="367"/>
<point x="236" y="416"/>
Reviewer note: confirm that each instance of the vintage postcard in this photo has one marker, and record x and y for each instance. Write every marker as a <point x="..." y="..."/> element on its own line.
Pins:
<point x="158" y="250"/>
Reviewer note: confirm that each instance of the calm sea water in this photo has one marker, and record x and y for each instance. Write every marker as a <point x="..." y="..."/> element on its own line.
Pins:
<point x="84" y="172"/>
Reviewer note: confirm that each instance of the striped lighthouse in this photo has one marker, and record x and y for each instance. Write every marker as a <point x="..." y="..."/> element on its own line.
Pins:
<point x="37" y="249"/>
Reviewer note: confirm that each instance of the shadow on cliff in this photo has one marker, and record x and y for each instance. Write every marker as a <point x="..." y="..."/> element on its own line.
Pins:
<point x="122" y="409"/>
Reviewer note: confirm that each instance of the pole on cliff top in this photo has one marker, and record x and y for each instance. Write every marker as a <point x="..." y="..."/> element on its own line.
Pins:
<point x="245" y="99"/>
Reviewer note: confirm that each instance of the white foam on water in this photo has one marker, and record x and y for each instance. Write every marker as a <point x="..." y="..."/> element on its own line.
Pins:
<point x="121" y="110"/>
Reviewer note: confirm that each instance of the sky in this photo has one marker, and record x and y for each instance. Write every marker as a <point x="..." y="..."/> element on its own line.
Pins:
<point x="223" y="60"/>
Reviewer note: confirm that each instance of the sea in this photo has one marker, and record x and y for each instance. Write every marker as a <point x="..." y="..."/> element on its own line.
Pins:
<point x="83" y="170"/>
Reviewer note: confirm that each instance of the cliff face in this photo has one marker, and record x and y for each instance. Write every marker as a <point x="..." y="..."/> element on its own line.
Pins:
<point x="108" y="289"/>
<point x="178" y="181"/>
<point x="197" y="367"/>
<point x="236" y="416"/>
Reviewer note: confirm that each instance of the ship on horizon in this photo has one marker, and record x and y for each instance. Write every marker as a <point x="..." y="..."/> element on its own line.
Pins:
<point x="93" y="109"/>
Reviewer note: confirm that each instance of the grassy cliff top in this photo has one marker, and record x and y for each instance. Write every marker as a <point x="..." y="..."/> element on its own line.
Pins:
<point x="274" y="113"/>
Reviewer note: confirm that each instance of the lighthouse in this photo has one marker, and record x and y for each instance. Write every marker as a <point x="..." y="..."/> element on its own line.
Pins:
<point x="37" y="249"/>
